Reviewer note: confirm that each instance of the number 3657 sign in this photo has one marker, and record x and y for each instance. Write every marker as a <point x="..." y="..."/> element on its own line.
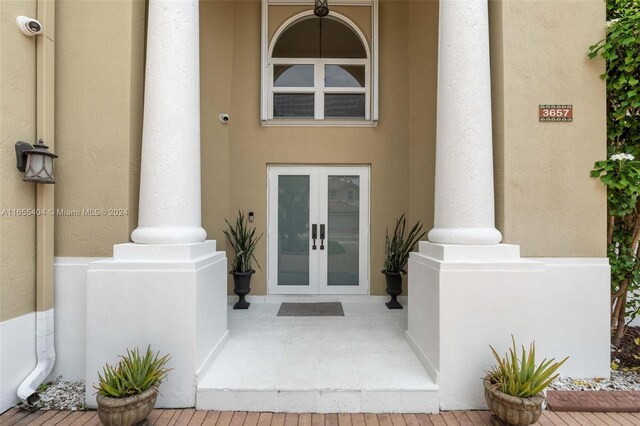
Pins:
<point x="555" y="113"/>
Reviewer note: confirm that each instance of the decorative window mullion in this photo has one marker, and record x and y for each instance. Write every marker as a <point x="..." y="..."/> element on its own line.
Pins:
<point x="367" y="93"/>
<point x="319" y="86"/>
<point x="269" y="97"/>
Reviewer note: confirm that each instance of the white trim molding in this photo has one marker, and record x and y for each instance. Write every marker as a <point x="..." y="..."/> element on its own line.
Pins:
<point x="297" y="298"/>
<point x="371" y="69"/>
<point x="318" y="178"/>
<point x="318" y="123"/>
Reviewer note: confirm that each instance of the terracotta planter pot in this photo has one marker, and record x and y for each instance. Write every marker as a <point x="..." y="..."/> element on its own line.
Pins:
<point x="127" y="411"/>
<point x="512" y="410"/>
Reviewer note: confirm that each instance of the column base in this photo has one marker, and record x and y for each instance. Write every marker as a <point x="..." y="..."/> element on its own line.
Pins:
<point x="168" y="235"/>
<point x="480" y="236"/>
<point x="172" y="297"/>
<point x="465" y="298"/>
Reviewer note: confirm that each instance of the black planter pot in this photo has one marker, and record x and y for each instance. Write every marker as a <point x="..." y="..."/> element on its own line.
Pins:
<point x="394" y="288"/>
<point x="242" y="287"/>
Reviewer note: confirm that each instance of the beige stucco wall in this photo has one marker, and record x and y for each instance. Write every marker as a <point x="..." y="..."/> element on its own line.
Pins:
<point x="252" y="147"/>
<point x="99" y="85"/>
<point x="217" y="52"/>
<point x="423" y="70"/>
<point x="17" y="122"/>
<point x="542" y="186"/>
<point x="546" y="201"/>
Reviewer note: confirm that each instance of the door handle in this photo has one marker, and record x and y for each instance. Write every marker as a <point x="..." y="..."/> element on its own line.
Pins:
<point x="322" y="236"/>
<point x="314" y="235"/>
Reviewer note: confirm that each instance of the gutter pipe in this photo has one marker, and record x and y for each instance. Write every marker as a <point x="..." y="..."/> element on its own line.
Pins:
<point x="45" y="350"/>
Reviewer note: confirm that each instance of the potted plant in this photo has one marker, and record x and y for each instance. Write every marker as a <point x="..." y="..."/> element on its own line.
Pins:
<point x="127" y="391"/>
<point x="243" y="241"/>
<point x="396" y="256"/>
<point x="514" y="387"/>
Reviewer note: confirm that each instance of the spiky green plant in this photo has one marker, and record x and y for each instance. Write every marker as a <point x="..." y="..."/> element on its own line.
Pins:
<point x="519" y="376"/>
<point x="243" y="240"/>
<point x="397" y="248"/>
<point x="133" y="374"/>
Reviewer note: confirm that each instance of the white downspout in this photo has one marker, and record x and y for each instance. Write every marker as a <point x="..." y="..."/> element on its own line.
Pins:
<point x="45" y="351"/>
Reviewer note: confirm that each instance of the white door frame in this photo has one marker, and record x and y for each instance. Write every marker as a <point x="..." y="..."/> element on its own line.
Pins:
<point x="318" y="214"/>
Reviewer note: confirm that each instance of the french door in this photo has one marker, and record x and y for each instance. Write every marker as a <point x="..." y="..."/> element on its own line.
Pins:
<point x="318" y="231"/>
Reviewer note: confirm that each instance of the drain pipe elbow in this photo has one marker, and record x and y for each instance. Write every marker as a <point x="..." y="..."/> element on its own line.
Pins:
<point x="46" y="354"/>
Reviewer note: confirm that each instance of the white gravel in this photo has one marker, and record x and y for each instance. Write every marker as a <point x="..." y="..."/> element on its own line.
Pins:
<point x="60" y="395"/>
<point x="620" y="381"/>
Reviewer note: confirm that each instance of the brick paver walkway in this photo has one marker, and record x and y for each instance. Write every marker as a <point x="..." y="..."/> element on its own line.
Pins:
<point x="615" y="401"/>
<point x="227" y="418"/>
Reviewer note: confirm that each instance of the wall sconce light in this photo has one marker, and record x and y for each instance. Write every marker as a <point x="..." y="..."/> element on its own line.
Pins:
<point x="35" y="161"/>
<point x="321" y="8"/>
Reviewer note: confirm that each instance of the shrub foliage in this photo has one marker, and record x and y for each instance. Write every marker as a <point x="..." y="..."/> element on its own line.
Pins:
<point x="397" y="248"/>
<point x="243" y="240"/>
<point x="621" y="172"/>
<point x="519" y="376"/>
<point x="133" y="374"/>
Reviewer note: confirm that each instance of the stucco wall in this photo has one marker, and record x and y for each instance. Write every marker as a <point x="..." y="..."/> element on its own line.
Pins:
<point x="99" y="84"/>
<point x="252" y="147"/>
<point x="423" y="70"/>
<point x="542" y="184"/>
<point x="17" y="122"/>
<point x="217" y="51"/>
<point x="546" y="201"/>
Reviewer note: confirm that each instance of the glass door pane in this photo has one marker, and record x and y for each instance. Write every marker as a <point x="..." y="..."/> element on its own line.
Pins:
<point x="293" y="230"/>
<point x="343" y="233"/>
<point x="332" y="204"/>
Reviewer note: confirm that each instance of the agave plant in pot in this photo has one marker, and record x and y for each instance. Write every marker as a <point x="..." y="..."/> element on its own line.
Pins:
<point x="514" y="387"/>
<point x="243" y="240"/>
<point x="128" y="390"/>
<point x="396" y="255"/>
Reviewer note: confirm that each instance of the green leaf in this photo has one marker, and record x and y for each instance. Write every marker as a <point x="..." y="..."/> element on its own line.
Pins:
<point x="519" y="376"/>
<point x="133" y="375"/>
<point x="243" y="242"/>
<point x="398" y="248"/>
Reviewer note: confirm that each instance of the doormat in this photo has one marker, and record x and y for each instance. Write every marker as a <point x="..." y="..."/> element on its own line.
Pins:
<point x="319" y="309"/>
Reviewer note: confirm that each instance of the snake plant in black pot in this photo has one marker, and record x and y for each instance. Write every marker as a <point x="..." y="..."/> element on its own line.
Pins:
<point x="243" y="241"/>
<point x="396" y="255"/>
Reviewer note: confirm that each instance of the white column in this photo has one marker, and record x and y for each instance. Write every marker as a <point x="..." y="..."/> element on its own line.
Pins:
<point x="169" y="211"/>
<point x="464" y="203"/>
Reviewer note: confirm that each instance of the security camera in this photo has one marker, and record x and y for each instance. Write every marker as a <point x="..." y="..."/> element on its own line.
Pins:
<point x="29" y="26"/>
<point x="224" y="118"/>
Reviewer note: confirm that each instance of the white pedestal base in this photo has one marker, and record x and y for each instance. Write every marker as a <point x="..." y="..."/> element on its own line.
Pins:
<point x="464" y="298"/>
<point x="172" y="297"/>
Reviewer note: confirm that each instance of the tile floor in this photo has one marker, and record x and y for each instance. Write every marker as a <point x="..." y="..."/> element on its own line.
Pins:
<point x="364" y="351"/>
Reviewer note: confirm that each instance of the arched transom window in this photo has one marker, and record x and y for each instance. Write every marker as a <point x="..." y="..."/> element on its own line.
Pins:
<point x="319" y="70"/>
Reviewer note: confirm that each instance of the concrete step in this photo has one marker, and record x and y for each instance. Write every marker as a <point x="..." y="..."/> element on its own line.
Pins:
<point x="321" y="398"/>
<point x="360" y="362"/>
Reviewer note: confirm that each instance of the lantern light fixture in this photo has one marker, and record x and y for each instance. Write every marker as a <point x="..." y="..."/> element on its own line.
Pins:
<point x="35" y="161"/>
<point x="321" y="8"/>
